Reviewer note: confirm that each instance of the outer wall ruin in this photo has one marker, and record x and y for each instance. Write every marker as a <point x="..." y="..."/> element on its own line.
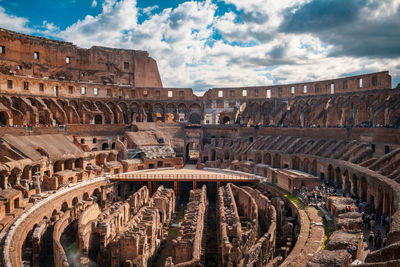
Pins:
<point x="85" y="134"/>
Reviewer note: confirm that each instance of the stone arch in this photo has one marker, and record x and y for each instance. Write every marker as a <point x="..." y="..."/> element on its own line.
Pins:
<point x="79" y="163"/>
<point x="339" y="179"/>
<point x="331" y="175"/>
<point x="267" y="108"/>
<point x="267" y="159"/>
<point x="363" y="189"/>
<point x="135" y="112"/>
<point x="226" y="120"/>
<point x="69" y="164"/>
<point x="64" y="207"/>
<point x="159" y="112"/>
<point x="86" y="196"/>
<point x="296" y="163"/>
<point x="346" y="182"/>
<point x="124" y="108"/>
<point x="104" y="146"/>
<point x="257" y="157"/>
<point x="96" y="194"/>
<point x="195" y="113"/>
<point x="15" y="177"/>
<point x="354" y="182"/>
<point x="98" y="119"/>
<point x="277" y="161"/>
<point x="148" y="112"/>
<point x="75" y="201"/>
<point x="3" y="179"/>
<point x="306" y="165"/>
<point x="226" y="155"/>
<point x="195" y="118"/>
<point x="170" y="112"/>
<point x="58" y="166"/>
<point x="213" y="155"/>
<point x="314" y="167"/>
<point x="4" y="118"/>
<point x="182" y="112"/>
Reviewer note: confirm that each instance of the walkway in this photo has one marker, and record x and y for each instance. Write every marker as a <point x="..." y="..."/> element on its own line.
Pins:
<point x="188" y="174"/>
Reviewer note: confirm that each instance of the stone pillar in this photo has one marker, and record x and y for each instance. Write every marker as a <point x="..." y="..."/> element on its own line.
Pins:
<point x="18" y="178"/>
<point x="176" y="188"/>
<point x="150" y="187"/>
<point x="194" y="185"/>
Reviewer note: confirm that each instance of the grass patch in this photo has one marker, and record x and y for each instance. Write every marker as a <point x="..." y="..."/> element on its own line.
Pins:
<point x="326" y="233"/>
<point x="172" y="232"/>
<point x="296" y="201"/>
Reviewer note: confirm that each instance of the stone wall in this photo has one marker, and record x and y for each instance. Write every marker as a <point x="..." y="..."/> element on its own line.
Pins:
<point x="247" y="227"/>
<point x="188" y="248"/>
<point x="140" y="238"/>
<point x="39" y="57"/>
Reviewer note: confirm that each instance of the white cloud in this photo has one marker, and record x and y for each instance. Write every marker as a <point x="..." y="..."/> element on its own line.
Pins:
<point x="182" y="40"/>
<point x="12" y="22"/>
<point x="94" y="4"/>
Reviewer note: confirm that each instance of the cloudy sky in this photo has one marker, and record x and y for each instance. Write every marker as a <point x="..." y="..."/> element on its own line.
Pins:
<point x="224" y="43"/>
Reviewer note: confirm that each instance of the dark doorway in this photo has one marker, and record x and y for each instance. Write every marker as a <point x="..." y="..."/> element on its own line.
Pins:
<point x="3" y="119"/>
<point x="98" y="119"/>
<point x="195" y="118"/>
<point x="226" y="120"/>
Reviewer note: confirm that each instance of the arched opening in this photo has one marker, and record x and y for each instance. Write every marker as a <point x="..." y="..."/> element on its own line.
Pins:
<point x="306" y="165"/>
<point x="192" y="152"/>
<point x="226" y="120"/>
<point x="148" y="110"/>
<point x="296" y="163"/>
<point x="86" y="196"/>
<point x="226" y="155"/>
<point x="330" y="175"/>
<point x="267" y="159"/>
<point x="64" y="207"/>
<point x="75" y="201"/>
<point x="98" y="119"/>
<point x="113" y="145"/>
<point x="213" y="155"/>
<point x="104" y="146"/>
<point x="3" y="180"/>
<point x="14" y="177"/>
<point x="314" y="168"/>
<point x="364" y="189"/>
<point x="347" y="184"/>
<point x="355" y="185"/>
<point x="97" y="195"/>
<point x="3" y="119"/>
<point x="195" y="118"/>
<point x="79" y="163"/>
<point x="338" y="178"/>
<point x="277" y="161"/>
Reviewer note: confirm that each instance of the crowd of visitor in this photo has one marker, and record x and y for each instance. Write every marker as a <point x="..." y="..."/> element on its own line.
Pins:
<point x="374" y="222"/>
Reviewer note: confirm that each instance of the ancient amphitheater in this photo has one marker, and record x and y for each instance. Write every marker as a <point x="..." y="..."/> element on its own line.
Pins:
<point x="102" y="166"/>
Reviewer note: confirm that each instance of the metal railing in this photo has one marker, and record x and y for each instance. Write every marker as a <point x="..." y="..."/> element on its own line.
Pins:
<point x="191" y="177"/>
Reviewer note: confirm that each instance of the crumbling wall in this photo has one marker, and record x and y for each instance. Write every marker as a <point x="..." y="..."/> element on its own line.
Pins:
<point x="85" y="221"/>
<point x="263" y="251"/>
<point x="245" y="238"/>
<point x="140" y="238"/>
<point x="60" y="258"/>
<point x="188" y="247"/>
